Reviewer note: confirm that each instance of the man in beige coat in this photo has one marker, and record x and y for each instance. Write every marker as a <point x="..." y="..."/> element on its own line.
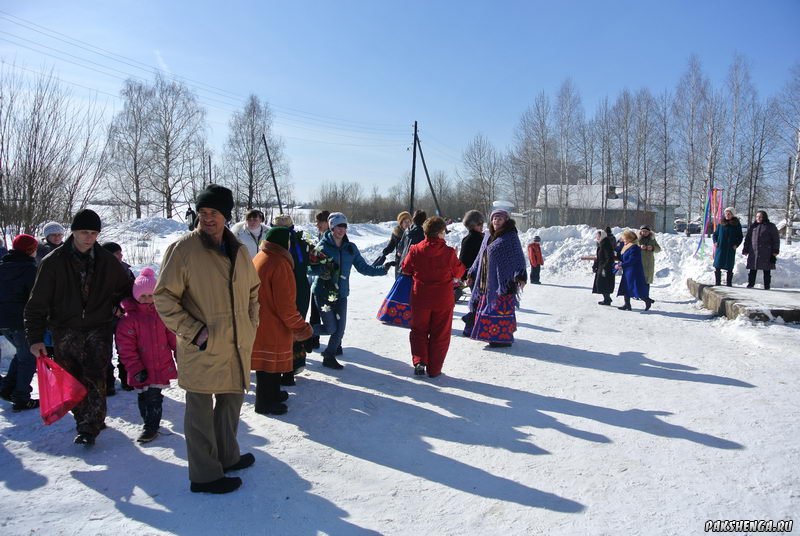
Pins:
<point x="207" y="293"/>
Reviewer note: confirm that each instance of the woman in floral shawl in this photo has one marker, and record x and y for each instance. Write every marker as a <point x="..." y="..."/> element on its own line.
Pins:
<point x="499" y="274"/>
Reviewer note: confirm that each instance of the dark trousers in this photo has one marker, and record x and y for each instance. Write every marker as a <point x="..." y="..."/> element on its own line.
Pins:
<point x="535" y="271"/>
<point x="268" y="388"/>
<point x="430" y="337"/>
<point x="17" y="383"/>
<point x="84" y="354"/>
<point x="150" y="408"/>
<point x="751" y="278"/>
<point x="728" y="277"/>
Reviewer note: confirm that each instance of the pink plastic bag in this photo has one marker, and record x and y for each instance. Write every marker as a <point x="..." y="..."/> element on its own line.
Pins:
<point x="59" y="391"/>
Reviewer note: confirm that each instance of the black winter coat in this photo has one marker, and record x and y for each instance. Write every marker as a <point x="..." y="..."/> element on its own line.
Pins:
<point x="44" y="249"/>
<point x="17" y="274"/>
<point x="762" y="243"/>
<point x="56" y="300"/>
<point x="470" y="246"/>
<point x="603" y="268"/>
<point x="412" y="235"/>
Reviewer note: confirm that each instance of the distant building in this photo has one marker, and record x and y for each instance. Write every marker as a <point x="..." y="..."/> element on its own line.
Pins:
<point x="597" y="206"/>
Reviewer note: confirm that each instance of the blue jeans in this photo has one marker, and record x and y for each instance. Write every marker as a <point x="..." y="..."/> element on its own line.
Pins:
<point x="334" y="318"/>
<point x="20" y="373"/>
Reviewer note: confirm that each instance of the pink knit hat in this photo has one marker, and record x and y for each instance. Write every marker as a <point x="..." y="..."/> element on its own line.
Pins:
<point x="144" y="284"/>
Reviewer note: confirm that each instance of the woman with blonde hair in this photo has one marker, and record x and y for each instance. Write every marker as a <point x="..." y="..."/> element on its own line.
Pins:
<point x="633" y="283"/>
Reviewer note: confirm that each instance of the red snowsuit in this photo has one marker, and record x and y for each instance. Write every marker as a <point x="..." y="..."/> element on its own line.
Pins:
<point x="535" y="254"/>
<point x="433" y="265"/>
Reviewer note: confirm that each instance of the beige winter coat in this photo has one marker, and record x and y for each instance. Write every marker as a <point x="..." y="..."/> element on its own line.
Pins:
<point x="199" y="286"/>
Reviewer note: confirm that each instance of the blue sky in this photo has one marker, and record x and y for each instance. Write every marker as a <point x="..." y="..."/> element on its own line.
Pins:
<point x="348" y="78"/>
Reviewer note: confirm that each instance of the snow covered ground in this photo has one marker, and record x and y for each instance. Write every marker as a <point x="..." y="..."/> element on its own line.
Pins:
<point x="596" y="421"/>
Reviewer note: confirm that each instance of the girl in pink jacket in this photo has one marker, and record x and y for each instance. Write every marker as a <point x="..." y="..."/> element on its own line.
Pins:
<point x="147" y="349"/>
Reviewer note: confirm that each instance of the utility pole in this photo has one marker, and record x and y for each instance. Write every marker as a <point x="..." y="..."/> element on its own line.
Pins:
<point x="430" y="184"/>
<point x="272" y="171"/>
<point x="413" y="171"/>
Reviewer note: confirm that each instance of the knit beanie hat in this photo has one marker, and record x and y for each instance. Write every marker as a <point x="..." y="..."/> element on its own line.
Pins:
<point x="732" y="210"/>
<point x="402" y="216"/>
<point x="24" y="243"/>
<point x="216" y="197"/>
<point x="279" y="236"/>
<point x="144" y="284"/>
<point x="499" y="211"/>
<point x="537" y="238"/>
<point x="86" y="220"/>
<point x="282" y="220"/>
<point x="336" y="218"/>
<point x="52" y="227"/>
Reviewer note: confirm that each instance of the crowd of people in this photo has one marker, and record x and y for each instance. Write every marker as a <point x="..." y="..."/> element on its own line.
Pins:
<point x="232" y="300"/>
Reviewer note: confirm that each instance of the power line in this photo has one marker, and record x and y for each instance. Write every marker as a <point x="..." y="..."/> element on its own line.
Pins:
<point x="52" y="34"/>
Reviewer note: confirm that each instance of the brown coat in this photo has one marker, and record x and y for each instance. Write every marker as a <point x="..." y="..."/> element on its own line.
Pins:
<point x="200" y="286"/>
<point x="279" y="322"/>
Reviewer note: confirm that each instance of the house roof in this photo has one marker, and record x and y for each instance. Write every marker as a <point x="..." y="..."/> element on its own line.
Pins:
<point x="580" y="196"/>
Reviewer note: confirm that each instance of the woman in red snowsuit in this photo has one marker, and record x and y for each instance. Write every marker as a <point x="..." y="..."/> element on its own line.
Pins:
<point x="433" y="266"/>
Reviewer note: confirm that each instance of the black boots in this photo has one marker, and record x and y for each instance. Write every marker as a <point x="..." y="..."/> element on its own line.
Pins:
<point x="627" y="306"/>
<point x="245" y="461"/>
<point x="606" y="300"/>
<point x="226" y="484"/>
<point x="269" y="397"/>
<point x="751" y="278"/>
<point x="767" y="279"/>
<point x="718" y="277"/>
<point x="419" y="369"/>
<point x="729" y="278"/>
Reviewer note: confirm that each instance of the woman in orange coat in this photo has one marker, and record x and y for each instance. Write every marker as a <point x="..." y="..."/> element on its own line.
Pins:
<point x="279" y="322"/>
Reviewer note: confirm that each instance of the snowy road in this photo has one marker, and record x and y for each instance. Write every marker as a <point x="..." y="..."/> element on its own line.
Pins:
<point x="596" y="421"/>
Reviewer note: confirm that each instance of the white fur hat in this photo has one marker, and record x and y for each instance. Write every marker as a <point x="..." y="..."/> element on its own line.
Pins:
<point x="733" y="211"/>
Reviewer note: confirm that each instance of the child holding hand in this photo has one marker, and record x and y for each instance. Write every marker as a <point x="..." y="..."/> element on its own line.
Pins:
<point x="147" y="349"/>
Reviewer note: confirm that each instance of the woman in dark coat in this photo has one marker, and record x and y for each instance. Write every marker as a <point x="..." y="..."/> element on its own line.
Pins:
<point x="603" y="267"/>
<point x="470" y="246"/>
<point x="412" y="235"/>
<point x="633" y="283"/>
<point x="727" y="237"/>
<point x="403" y="223"/>
<point x="762" y="245"/>
<point x="498" y="275"/>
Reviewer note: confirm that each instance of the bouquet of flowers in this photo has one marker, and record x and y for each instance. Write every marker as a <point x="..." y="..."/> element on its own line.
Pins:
<point x="329" y="277"/>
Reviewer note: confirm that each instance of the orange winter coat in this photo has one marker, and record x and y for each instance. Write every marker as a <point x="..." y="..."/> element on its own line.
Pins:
<point x="280" y="324"/>
<point x="535" y="254"/>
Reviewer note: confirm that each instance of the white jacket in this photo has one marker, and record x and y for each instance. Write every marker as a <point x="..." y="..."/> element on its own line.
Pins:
<point x="250" y="240"/>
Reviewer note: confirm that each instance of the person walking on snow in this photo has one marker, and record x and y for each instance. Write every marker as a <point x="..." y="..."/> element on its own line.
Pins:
<point x="335" y="258"/>
<point x="17" y="276"/>
<point x="603" y="267"/>
<point x="496" y="277"/>
<point x="77" y="289"/>
<point x="762" y="245"/>
<point x="434" y="267"/>
<point x="727" y="238"/>
<point x="251" y="231"/>
<point x="300" y="250"/>
<point x="207" y="293"/>
<point x="146" y="348"/>
<point x="536" y="259"/>
<point x="53" y="237"/>
<point x="280" y="326"/>
<point x="649" y="246"/>
<point x="633" y="283"/>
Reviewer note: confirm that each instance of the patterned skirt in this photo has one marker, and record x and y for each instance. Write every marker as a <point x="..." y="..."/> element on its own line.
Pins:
<point x="396" y="308"/>
<point x="496" y="324"/>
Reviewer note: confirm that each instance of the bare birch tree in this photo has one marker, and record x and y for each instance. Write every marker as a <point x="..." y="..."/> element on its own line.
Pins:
<point x="131" y="153"/>
<point x="176" y="130"/>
